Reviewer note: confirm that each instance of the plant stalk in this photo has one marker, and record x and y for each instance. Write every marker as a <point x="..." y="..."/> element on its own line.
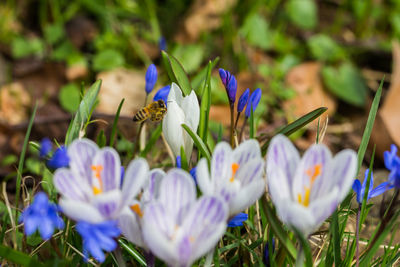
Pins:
<point x="232" y="126"/>
<point x="358" y="236"/>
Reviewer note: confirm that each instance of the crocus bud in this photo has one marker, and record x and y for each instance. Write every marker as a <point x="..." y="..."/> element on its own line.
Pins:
<point x="253" y="102"/>
<point x="230" y="84"/>
<point x="151" y="78"/>
<point x="162" y="94"/>
<point x="244" y="98"/>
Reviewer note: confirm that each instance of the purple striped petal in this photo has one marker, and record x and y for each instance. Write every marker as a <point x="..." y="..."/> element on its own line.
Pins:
<point x="129" y="224"/>
<point x="109" y="163"/>
<point x="248" y="172"/>
<point x="151" y="188"/>
<point x="71" y="185"/>
<point x="135" y="177"/>
<point x="108" y="203"/>
<point x="246" y="151"/>
<point x="81" y="153"/>
<point x="203" y="177"/>
<point x="221" y="170"/>
<point x="246" y="196"/>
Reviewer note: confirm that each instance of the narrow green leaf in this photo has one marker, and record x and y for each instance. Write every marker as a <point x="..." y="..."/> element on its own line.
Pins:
<point x="133" y="252"/>
<point x="184" y="160"/>
<point x="114" y="126"/>
<point x="153" y="139"/>
<point x="22" y="160"/>
<point x="179" y="74"/>
<point x="82" y="116"/>
<point x="296" y="125"/>
<point x="202" y="76"/>
<point x="101" y="139"/>
<point x="18" y="257"/>
<point x="336" y="238"/>
<point x="205" y="105"/>
<point x="251" y="122"/>
<point x="199" y="143"/>
<point x="168" y="67"/>
<point x="305" y="248"/>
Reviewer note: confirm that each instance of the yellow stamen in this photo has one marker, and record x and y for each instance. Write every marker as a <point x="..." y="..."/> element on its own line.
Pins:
<point x="234" y="167"/>
<point x="97" y="173"/>
<point x="313" y="172"/>
<point x="136" y="209"/>
<point x="96" y="190"/>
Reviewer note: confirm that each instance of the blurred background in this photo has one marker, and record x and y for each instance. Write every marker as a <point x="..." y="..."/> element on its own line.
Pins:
<point x="303" y="54"/>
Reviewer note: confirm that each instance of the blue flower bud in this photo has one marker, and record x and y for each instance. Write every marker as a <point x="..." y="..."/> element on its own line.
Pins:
<point x="238" y="220"/>
<point x="178" y="162"/>
<point x="230" y="84"/>
<point x="244" y="98"/>
<point x="162" y="43"/>
<point x="253" y="102"/>
<point x="162" y="94"/>
<point x="45" y="147"/>
<point x="151" y="78"/>
<point x="59" y="159"/>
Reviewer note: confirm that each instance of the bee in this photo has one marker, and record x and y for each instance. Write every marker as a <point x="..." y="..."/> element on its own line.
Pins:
<point x="154" y="111"/>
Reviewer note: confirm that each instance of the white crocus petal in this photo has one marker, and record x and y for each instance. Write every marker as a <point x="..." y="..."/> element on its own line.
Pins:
<point x="344" y="168"/>
<point x="325" y="206"/>
<point x="71" y="186"/>
<point x="221" y="164"/>
<point x="297" y="216"/>
<point x="81" y="153"/>
<point x="203" y="177"/>
<point x="246" y="196"/>
<point x="108" y="203"/>
<point x="180" y="110"/>
<point x="253" y="170"/>
<point x="246" y="151"/>
<point x="106" y="166"/>
<point x="129" y="224"/>
<point x="278" y="186"/>
<point x="151" y="187"/>
<point x="134" y="178"/>
<point x="80" y="211"/>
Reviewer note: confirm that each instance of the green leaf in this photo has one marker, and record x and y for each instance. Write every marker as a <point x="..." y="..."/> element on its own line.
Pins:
<point x="190" y="56"/>
<point x="83" y="114"/>
<point x="324" y="48"/>
<point x="305" y="250"/>
<point x="54" y="33"/>
<point x="69" y="97"/>
<point x="168" y="68"/>
<point x="205" y="105"/>
<point x="346" y="83"/>
<point x="199" y="143"/>
<point x="303" y="13"/>
<point x="22" y="47"/>
<point x="334" y="229"/>
<point x="18" y="257"/>
<point x="178" y="74"/>
<point x="201" y="76"/>
<point x="184" y="160"/>
<point x="296" y="125"/>
<point x="107" y="60"/>
<point x="114" y="126"/>
<point x="133" y="252"/>
<point x="101" y="139"/>
<point x="153" y="139"/>
<point x="255" y="30"/>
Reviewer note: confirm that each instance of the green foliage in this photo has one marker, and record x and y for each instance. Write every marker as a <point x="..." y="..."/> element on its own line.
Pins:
<point x="23" y="47"/>
<point x="303" y="13"/>
<point x="69" y="97"/>
<point x="107" y="60"/>
<point x="176" y="73"/>
<point x="324" y="48"/>
<point x="255" y="30"/>
<point x="346" y="83"/>
<point x="190" y="56"/>
<point x="54" y="33"/>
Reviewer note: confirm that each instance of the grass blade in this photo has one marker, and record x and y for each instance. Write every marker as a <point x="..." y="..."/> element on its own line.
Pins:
<point x="18" y="257"/>
<point x="205" y="106"/>
<point x="203" y="76"/>
<point x="199" y="143"/>
<point x="133" y="252"/>
<point x="114" y="126"/>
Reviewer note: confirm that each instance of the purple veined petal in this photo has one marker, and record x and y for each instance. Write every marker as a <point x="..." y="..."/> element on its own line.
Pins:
<point x="357" y="189"/>
<point x="158" y="232"/>
<point x="177" y="193"/>
<point x="203" y="178"/>
<point x="72" y="185"/>
<point x="185" y="249"/>
<point x="81" y="153"/>
<point x="324" y="206"/>
<point x="221" y="165"/>
<point x="80" y="211"/>
<point x="135" y="177"/>
<point x="205" y="224"/>
<point x="380" y="189"/>
<point x="312" y="172"/>
<point x="246" y="151"/>
<point x="129" y="224"/>
<point x="278" y="186"/>
<point x="106" y="165"/>
<point x="108" y="203"/>
<point x="151" y="187"/>
<point x="284" y="156"/>
<point x="250" y="171"/>
<point x="246" y="196"/>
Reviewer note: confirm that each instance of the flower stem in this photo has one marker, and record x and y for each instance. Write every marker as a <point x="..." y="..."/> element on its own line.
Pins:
<point x="242" y="130"/>
<point x="237" y="119"/>
<point x="300" y="257"/>
<point x="232" y="126"/>
<point x="358" y="235"/>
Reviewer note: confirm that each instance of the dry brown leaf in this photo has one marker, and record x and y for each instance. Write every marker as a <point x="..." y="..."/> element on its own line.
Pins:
<point x="14" y="103"/>
<point x="76" y="71"/>
<point x="305" y="80"/>
<point x="118" y="84"/>
<point x="204" y="15"/>
<point x="387" y="124"/>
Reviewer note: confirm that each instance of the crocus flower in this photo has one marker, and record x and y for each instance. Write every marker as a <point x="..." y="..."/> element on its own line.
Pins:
<point x="130" y="220"/>
<point x="360" y="189"/>
<point x="392" y="163"/>
<point x="45" y="147"/>
<point x="253" y="102"/>
<point x="178" y="228"/>
<point x="236" y="175"/>
<point x="98" y="237"/>
<point x="306" y="191"/>
<point x="230" y="83"/>
<point x="244" y="98"/>
<point x="151" y="78"/>
<point x="41" y="215"/>
<point x="180" y="110"/>
<point x="59" y="159"/>
<point x="238" y="220"/>
<point x="90" y="189"/>
<point x="162" y="94"/>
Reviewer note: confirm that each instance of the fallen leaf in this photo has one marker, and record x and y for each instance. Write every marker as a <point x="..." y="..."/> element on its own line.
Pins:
<point x="14" y="103"/>
<point x="118" y="84"/>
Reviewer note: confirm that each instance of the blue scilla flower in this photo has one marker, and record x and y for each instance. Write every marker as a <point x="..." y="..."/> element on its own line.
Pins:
<point x="162" y="94"/>
<point x="267" y="258"/>
<point x="392" y="163"/>
<point x="238" y="220"/>
<point x="59" y="159"/>
<point x="162" y="43"/>
<point x="178" y="162"/>
<point x="244" y="98"/>
<point x="151" y="78"/>
<point x="193" y="174"/>
<point x="230" y="83"/>
<point x="253" y="102"/>
<point x="41" y="215"/>
<point x="98" y="237"/>
<point x="360" y="189"/>
<point x="45" y="147"/>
